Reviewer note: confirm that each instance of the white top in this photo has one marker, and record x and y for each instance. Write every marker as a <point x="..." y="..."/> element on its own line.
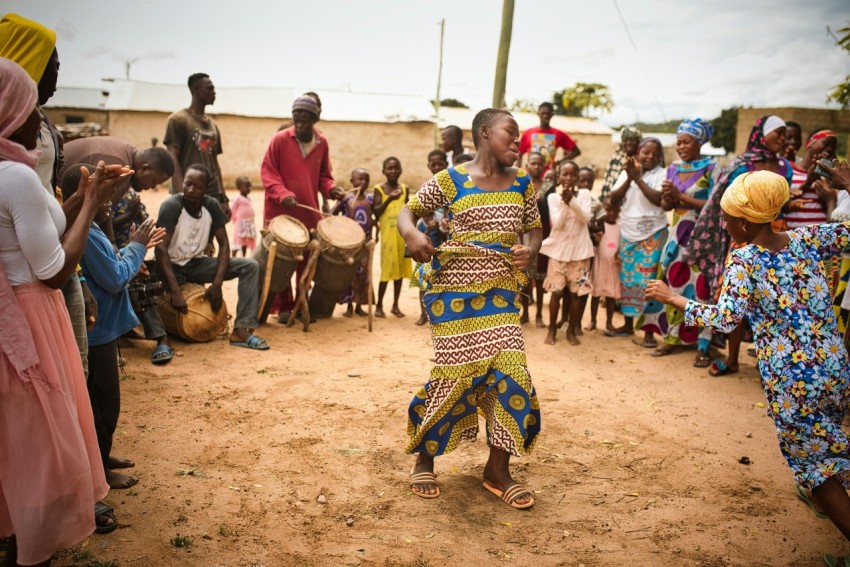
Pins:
<point x="44" y="168"/>
<point x="569" y="240"/>
<point x="31" y="223"/>
<point x="190" y="238"/>
<point x="639" y="218"/>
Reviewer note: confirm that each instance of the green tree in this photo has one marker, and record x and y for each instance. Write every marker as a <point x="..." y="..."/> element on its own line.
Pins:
<point x="579" y="99"/>
<point x="841" y="92"/>
<point x="725" y="129"/>
<point x="523" y="105"/>
<point x="452" y="103"/>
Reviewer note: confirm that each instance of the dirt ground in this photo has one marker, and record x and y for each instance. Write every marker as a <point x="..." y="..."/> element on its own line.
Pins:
<point x="637" y="463"/>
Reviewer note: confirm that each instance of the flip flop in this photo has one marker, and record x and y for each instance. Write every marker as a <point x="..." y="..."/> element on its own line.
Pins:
<point x="104" y="510"/>
<point x="617" y="333"/>
<point x="661" y="351"/>
<point x="162" y="354"/>
<point x="703" y="360"/>
<point x="719" y="368"/>
<point x="803" y="495"/>
<point x="642" y="343"/>
<point x="253" y="342"/>
<point x="838" y="561"/>
<point x="424" y="478"/>
<point x="512" y="494"/>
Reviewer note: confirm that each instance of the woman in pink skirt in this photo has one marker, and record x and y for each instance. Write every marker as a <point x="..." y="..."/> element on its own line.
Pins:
<point x="50" y="467"/>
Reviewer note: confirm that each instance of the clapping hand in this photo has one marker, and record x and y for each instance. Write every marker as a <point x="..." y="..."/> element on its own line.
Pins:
<point x="104" y="183"/>
<point x="147" y="234"/>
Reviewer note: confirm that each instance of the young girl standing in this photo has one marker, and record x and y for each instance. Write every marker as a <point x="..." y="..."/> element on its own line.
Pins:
<point x="606" y="269"/>
<point x="242" y="214"/>
<point x="776" y="281"/>
<point x="390" y="197"/>
<point x="473" y="283"/>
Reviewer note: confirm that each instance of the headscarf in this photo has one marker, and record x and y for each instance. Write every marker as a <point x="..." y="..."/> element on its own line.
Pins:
<point x="630" y="133"/>
<point x="757" y="196"/>
<point x="27" y="43"/>
<point x="699" y="129"/>
<point x="18" y="98"/>
<point x="773" y="123"/>
<point x="645" y="141"/>
<point x="820" y="135"/>
<point x="306" y="103"/>
<point x="756" y="149"/>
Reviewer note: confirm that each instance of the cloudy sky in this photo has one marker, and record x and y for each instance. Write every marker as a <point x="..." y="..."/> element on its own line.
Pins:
<point x="687" y="58"/>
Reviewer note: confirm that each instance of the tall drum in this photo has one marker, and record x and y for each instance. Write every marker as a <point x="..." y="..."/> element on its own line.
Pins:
<point x="289" y="237"/>
<point x="341" y="242"/>
<point x="200" y="323"/>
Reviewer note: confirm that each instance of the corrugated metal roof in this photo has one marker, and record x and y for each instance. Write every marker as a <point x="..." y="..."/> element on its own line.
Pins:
<point x="78" y="97"/>
<point x="462" y="117"/>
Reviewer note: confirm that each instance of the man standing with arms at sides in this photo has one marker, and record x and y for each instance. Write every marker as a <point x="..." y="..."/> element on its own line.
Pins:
<point x="192" y="137"/>
<point x="555" y="145"/>
<point x="295" y="169"/>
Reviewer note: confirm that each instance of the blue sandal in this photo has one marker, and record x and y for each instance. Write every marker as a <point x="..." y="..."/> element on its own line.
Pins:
<point x="162" y="354"/>
<point x="803" y="495"/>
<point x="253" y="342"/>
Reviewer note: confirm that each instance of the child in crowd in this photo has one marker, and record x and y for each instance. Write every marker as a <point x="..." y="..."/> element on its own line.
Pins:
<point x="129" y="210"/>
<point x="535" y="166"/>
<point x="242" y="214"/>
<point x="473" y="281"/>
<point x="463" y="158"/>
<point x="586" y="178"/>
<point x="435" y="225"/>
<point x="358" y="206"/>
<point x="390" y="197"/>
<point x="569" y="249"/>
<point x="606" y="269"/>
<point x="107" y="275"/>
<point x="776" y="280"/>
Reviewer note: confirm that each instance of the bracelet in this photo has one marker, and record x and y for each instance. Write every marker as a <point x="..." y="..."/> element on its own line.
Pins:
<point x="82" y="278"/>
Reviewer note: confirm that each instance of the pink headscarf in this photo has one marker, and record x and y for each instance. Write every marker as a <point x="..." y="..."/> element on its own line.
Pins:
<point x="18" y="97"/>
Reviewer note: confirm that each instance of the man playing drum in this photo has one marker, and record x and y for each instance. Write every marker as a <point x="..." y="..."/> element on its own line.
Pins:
<point x="295" y="169"/>
<point x="190" y="220"/>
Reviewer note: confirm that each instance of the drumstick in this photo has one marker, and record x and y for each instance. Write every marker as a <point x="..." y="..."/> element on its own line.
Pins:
<point x="267" y="281"/>
<point x="309" y="208"/>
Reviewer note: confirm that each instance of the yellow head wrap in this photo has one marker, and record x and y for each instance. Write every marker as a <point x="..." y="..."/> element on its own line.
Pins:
<point x="27" y="43"/>
<point x="757" y="196"/>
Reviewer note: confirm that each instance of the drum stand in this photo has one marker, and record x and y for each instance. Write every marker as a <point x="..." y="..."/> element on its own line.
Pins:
<point x="267" y="280"/>
<point x="306" y="279"/>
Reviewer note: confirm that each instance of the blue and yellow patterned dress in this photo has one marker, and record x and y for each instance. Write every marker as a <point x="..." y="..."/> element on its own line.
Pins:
<point x="472" y="301"/>
<point x="801" y="358"/>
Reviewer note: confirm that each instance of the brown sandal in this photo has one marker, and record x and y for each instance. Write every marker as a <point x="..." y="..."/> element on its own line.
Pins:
<point x="512" y="494"/>
<point x="424" y="478"/>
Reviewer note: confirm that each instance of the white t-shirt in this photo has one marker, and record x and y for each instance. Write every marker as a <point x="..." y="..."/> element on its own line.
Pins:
<point x="190" y="238"/>
<point x="639" y="218"/>
<point x="31" y="223"/>
<point x="569" y="239"/>
<point x="47" y="160"/>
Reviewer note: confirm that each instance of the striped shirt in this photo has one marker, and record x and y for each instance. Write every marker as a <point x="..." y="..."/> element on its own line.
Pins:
<point x="810" y="210"/>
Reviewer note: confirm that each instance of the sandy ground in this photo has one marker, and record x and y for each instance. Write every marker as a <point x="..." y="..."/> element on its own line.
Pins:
<point x="637" y="463"/>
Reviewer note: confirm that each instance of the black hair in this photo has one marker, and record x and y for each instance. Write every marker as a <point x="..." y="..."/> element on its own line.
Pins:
<point x="487" y="117"/>
<point x="159" y="159"/>
<point x="202" y="168"/>
<point x="194" y="78"/>
<point x="462" y="158"/>
<point x="71" y="179"/>
<point x="439" y="153"/>
<point x="792" y="124"/>
<point x="546" y="104"/>
<point x="586" y="168"/>
<point x="536" y="154"/>
<point x="568" y="162"/>
<point x="242" y="179"/>
<point x="455" y="130"/>
<point x="388" y="160"/>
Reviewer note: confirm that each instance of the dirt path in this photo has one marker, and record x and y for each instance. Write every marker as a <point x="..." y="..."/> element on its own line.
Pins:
<point x="637" y="463"/>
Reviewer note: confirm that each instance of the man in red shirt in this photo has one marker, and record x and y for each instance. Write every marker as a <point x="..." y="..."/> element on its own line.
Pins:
<point x="295" y="169"/>
<point x="553" y="144"/>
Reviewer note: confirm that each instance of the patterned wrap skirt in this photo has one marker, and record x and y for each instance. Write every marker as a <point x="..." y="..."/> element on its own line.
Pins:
<point x="639" y="264"/>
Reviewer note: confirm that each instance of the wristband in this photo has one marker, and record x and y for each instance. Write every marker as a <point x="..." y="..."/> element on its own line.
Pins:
<point x="82" y="279"/>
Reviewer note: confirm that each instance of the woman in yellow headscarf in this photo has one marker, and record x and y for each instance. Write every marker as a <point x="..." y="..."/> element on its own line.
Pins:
<point x="775" y="279"/>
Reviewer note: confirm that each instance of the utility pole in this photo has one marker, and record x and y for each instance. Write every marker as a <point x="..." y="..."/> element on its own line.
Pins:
<point x="439" y="81"/>
<point x="502" y="58"/>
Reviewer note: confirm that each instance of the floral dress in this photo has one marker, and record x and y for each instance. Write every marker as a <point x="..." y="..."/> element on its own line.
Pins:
<point x="801" y="358"/>
<point x="473" y="306"/>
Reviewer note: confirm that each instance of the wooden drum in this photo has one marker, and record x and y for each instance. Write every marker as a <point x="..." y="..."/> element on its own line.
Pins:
<point x="341" y="242"/>
<point x="289" y="237"/>
<point x="200" y="324"/>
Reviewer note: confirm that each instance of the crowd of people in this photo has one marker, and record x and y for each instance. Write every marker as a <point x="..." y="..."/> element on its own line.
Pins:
<point x="750" y="252"/>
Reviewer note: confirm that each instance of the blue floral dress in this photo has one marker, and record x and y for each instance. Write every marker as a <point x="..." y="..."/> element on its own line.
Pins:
<point x="801" y="358"/>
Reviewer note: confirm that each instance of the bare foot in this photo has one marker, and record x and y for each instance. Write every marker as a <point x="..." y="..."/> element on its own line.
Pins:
<point x="119" y="463"/>
<point x="396" y="311"/>
<point x="579" y="332"/>
<point x="379" y="312"/>
<point x="523" y="319"/>
<point x="550" y="338"/>
<point x="424" y="463"/>
<point x="359" y="312"/>
<point x="591" y="328"/>
<point x="118" y="480"/>
<point x="573" y="340"/>
<point x="538" y="322"/>
<point x="422" y="320"/>
<point x="349" y="312"/>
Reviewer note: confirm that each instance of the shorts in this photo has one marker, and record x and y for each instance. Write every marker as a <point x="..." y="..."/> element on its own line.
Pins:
<point x="574" y="275"/>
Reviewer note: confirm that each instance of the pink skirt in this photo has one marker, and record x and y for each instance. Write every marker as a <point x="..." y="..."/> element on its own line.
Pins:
<point x="51" y="473"/>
